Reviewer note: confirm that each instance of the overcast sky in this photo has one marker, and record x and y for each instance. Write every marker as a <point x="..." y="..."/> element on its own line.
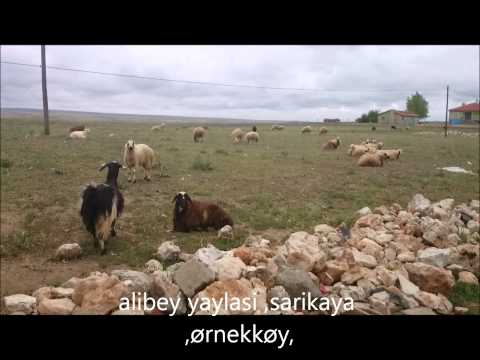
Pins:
<point x="349" y="80"/>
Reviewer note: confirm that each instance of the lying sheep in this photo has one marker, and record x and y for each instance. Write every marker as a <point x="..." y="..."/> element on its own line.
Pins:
<point x="199" y="134"/>
<point x="79" y="134"/>
<point x="357" y="150"/>
<point x="138" y="155"/>
<point x="371" y="159"/>
<point x="252" y="136"/>
<point x="191" y="214"/>
<point x="158" y="127"/>
<point x="323" y="131"/>
<point x="237" y="135"/>
<point x="391" y="154"/>
<point x="307" y="129"/>
<point x="277" y="127"/>
<point x="332" y="144"/>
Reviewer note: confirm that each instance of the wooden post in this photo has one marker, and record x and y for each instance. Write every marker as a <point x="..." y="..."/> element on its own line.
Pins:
<point x="46" y="123"/>
<point x="446" y="116"/>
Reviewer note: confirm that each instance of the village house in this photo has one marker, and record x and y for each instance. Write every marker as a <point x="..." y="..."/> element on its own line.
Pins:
<point x="398" y="118"/>
<point x="468" y="114"/>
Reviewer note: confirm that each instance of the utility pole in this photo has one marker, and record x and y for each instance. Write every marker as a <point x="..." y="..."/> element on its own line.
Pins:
<point x="46" y="123"/>
<point x="446" y="115"/>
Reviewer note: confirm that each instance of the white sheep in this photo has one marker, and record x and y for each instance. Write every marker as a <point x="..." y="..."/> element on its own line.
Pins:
<point x="357" y="150"/>
<point x="138" y="155"/>
<point x="277" y="127"/>
<point x="252" y="136"/>
<point x="391" y="154"/>
<point x="79" y="134"/>
<point x="322" y="131"/>
<point x="307" y="129"/>
<point x="158" y="127"/>
<point x="237" y="135"/>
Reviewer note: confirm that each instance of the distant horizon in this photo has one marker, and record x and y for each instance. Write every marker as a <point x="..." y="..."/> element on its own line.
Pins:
<point x="428" y="119"/>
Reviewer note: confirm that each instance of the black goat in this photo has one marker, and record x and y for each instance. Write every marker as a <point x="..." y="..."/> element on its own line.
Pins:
<point x="102" y="205"/>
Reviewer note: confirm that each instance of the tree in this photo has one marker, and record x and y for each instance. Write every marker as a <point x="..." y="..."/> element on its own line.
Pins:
<point x="418" y="105"/>
<point x="370" y="117"/>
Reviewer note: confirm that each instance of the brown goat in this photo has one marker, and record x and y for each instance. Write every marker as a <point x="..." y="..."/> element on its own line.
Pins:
<point x="77" y="128"/>
<point x="191" y="215"/>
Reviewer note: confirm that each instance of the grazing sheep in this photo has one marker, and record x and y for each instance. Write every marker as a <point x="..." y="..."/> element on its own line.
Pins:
<point x="277" y="127"/>
<point x="252" y="136"/>
<point x="199" y="134"/>
<point x="102" y="205"/>
<point x="323" y="131"/>
<point x="393" y="127"/>
<point x="374" y="128"/>
<point x="191" y="215"/>
<point x="138" y="155"/>
<point x="332" y="144"/>
<point x="371" y="160"/>
<point x="158" y="127"/>
<point x="237" y="135"/>
<point x="79" y="134"/>
<point x="380" y="145"/>
<point x="306" y="129"/>
<point x="77" y="128"/>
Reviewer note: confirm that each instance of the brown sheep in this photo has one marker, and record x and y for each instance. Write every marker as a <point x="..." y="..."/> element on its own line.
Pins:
<point x="191" y="215"/>
<point x="323" y="131"/>
<point x="332" y="144"/>
<point x="77" y="128"/>
<point x="391" y="154"/>
<point x="357" y="150"/>
<point x="371" y="159"/>
<point x="252" y="136"/>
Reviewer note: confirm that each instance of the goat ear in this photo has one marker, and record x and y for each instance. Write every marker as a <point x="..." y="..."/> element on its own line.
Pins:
<point x="188" y="198"/>
<point x="104" y="165"/>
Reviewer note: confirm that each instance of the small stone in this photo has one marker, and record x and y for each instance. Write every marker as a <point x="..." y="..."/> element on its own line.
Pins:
<point x="473" y="226"/>
<point x="129" y="312"/>
<point x="139" y="281"/>
<point x="168" y="252"/>
<point x="323" y="229"/>
<point x="68" y="252"/>
<point x="467" y="277"/>
<point x="56" y="307"/>
<point x="278" y="293"/>
<point x="434" y="256"/>
<point x="153" y="265"/>
<point x="406" y="256"/>
<point x="430" y="278"/>
<point x="363" y="259"/>
<point x="296" y="281"/>
<point x="407" y="286"/>
<point x="228" y="267"/>
<point x="19" y="303"/>
<point x="364" y="211"/>
<point x="225" y="232"/>
<point x="460" y="310"/>
<point x="383" y="238"/>
<point x="418" y="311"/>
<point x="419" y="204"/>
<point x="387" y="277"/>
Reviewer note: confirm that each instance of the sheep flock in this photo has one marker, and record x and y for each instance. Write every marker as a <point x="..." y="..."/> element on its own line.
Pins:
<point x="103" y="204"/>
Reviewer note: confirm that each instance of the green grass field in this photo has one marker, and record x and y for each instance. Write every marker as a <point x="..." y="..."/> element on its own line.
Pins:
<point x="282" y="184"/>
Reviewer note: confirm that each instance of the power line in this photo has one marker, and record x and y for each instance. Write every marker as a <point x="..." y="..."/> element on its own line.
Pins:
<point x="206" y="83"/>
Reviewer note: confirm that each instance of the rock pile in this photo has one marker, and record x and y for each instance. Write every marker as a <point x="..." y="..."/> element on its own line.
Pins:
<point x="391" y="261"/>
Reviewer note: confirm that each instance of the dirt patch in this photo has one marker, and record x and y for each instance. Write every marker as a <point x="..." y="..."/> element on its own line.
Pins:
<point x="10" y="222"/>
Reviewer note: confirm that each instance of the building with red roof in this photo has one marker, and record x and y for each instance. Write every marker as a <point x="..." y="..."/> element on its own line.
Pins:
<point x="465" y="114"/>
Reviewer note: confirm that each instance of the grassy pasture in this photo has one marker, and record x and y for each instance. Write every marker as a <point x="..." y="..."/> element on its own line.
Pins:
<point x="282" y="184"/>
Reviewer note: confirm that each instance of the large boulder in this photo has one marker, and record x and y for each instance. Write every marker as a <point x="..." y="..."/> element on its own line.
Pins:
<point x="193" y="276"/>
<point x="302" y="250"/>
<point x="430" y="278"/>
<point x="56" y="307"/>
<point x="434" y="256"/>
<point x="228" y="267"/>
<point x="163" y="287"/>
<point x="297" y="283"/>
<point x="137" y="281"/>
<point x="208" y="255"/>
<point x="98" y="294"/>
<point x="240" y="295"/>
<point x="467" y="277"/>
<point x="20" y="303"/>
